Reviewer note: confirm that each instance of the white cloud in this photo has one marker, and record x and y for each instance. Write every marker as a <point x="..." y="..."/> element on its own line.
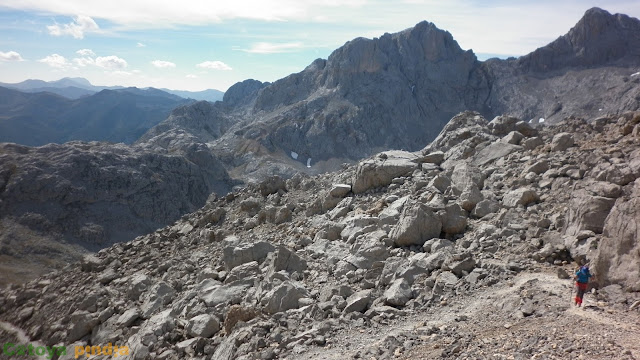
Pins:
<point x="76" y="28"/>
<point x="214" y="65"/>
<point x="85" y="52"/>
<point x="140" y="45"/>
<point x="84" y="61"/>
<point x="10" y="56"/>
<point x="272" y="48"/>
<point x="111" y="62"/>
<point x="163" y="64"/>
<point x="121" y="73"/>
<point x="56" y="61"/>
<point x="192" y="76"/>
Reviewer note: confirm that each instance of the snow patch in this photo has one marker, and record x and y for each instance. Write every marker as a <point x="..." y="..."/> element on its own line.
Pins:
<point x="635" y="74"/>
<point x="541" y="120"/>
<point x="309" y="162"/>
<point x="294" y="155"/>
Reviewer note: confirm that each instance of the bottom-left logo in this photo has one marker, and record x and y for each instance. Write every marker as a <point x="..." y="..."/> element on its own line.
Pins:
<point x="10" y="349"/>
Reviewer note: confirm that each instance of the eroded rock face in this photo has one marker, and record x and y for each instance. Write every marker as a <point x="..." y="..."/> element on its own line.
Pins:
<point x="618" y="257"/>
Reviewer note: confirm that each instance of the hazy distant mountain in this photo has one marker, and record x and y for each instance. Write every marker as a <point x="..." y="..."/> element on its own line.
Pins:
<point x="120" y="115"/>
<point x="74" y="88"/>
<point x="208" y="95"/>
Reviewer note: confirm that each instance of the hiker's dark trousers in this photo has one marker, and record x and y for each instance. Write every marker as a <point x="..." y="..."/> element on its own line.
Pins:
<point x="582" y="288"/>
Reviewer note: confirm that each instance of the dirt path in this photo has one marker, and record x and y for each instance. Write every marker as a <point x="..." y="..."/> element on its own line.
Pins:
<point x="491" y="324"/>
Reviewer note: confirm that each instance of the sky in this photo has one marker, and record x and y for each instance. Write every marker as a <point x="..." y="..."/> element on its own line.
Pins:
<point x="212" y="44"/>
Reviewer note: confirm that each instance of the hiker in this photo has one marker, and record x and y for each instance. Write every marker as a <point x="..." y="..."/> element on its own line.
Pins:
<point x="582" y="280"/>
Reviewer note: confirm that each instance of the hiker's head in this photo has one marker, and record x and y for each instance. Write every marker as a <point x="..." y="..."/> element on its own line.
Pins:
<point x="585" y="268"/>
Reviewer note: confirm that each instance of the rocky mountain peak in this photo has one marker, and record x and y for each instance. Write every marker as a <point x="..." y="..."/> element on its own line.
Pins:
<point x="239" y="92"/>
<point x="599" y="38"/>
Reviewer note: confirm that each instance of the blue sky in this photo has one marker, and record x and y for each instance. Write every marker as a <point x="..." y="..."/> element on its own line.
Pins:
<point x="200" y="44"/>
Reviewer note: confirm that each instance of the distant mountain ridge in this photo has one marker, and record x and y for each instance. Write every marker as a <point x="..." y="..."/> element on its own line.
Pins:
<point x="119" y="115"/>
<point x="74" y="88"/>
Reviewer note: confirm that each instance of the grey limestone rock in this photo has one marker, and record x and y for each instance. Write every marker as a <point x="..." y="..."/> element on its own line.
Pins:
<point x="398" y="293"/>
<point x="522" y="196"/>
<point x="618" y="257"/>
<point x="358" y="301"/>
<point x="238" y="255"/>
<point x="587" y="212"/>
<point x="203" y="325"/>
<point x="284" y="297"/>
<point x="417" y="224"/>
<point x="382" y="169"/>
<point x="562" y="142"/>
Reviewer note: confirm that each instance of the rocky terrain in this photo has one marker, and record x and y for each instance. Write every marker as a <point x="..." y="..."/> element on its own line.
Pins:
<point x="393" y="92"/>
<point x="461" y="250"/>
<point x="60" y="201"/>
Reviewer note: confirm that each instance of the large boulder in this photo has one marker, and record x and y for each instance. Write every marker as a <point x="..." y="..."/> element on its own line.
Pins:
<point x="382" y="169"/>
<point x="618" y="258"/>
<point x="203" y="325"/>
<point x="417" y="224"/>
<point x="587" y="211"/>
<point x="494" y="151"/>
<point x="398" y="293"/>
<point x="284" y="297"/>
<point x="522" y="196"/>
<point x="233" y="255"/>
<point x="454" y="220"/>
<point x="562" y="142"/>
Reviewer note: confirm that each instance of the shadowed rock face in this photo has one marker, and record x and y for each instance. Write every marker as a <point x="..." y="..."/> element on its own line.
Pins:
<point x="91" y="195"/>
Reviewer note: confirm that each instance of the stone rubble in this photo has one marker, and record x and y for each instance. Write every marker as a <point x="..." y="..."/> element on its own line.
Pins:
<point x="415" y="233"/>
